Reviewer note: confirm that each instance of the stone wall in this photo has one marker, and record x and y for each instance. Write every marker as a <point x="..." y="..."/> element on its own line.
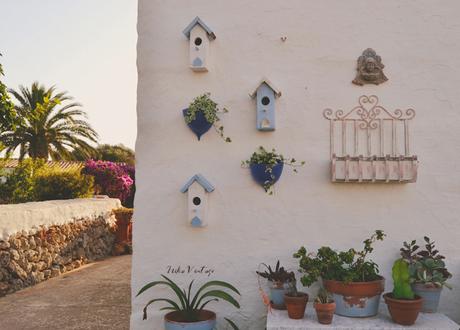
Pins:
<point x="31" y="256"/>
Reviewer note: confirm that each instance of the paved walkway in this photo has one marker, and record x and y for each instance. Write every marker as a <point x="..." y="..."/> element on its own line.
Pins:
<point x="94" y="297"/>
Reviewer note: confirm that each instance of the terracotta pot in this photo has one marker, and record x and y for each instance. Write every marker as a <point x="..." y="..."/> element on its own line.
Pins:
<point x="325" y="312"/>
<point x="296" y="305"/>
<point x="124" y="226"/>
<point x="402" y="311"/>
<point x="356" y="299"/>
<point x="175" y="321"/>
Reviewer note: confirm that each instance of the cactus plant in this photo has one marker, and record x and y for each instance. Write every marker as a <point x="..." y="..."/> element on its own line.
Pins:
<point x="401" y="280"/>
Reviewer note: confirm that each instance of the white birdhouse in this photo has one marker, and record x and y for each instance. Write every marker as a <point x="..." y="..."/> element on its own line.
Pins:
<point x="200" y="36"/>
<point x="265" y="93"/>
<point x="197" y="189"/>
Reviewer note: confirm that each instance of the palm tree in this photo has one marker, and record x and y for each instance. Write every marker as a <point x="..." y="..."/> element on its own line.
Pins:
<point x="48" y="128"/>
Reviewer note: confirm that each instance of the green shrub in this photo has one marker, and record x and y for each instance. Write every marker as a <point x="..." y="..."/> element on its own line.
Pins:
<point x="59" y="184"/>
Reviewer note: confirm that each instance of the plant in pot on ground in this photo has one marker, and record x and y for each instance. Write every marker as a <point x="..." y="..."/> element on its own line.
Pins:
<point x="267" y="166"/>
<point x="325" y="306"/>
<point x="296" y="302"/>
<point x="428" y="272"/>
<point x="188" y="311"/>
<point x="402" y="303"/>
<point x="202" y="113"/>
<point x="351" y="278"/>
<point x="280" y="282"/>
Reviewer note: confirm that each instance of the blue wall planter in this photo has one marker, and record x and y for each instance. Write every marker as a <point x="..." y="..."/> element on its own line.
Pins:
<point x="199" y="125"/>
<point x="261" y="176"/>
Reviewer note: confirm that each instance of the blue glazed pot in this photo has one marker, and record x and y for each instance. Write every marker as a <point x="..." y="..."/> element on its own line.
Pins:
<point x="430" y="297"/>
<point x="277" y="292"/>
<point x="356" y="299"/>
<point x="261" y="176"/>
<point x="173" y="321"/>
<point x="199" y="125"/>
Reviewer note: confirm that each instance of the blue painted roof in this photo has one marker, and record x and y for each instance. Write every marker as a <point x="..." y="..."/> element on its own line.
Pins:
<point x="269" y="84"/>
<point x="201" y="180"/>
<point x="196" y="21"/>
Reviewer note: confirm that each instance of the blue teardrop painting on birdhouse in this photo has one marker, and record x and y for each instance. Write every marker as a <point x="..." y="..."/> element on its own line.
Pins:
<point x="199" y="125"/>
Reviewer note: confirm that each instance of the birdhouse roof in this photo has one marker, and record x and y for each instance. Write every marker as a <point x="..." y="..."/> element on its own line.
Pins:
<point x="201" y="180"/>
<point x="269" y="84"/>
<point x="197" y="20"/>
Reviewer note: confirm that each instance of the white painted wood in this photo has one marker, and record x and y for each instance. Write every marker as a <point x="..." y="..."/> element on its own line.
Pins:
<point x="199" y="49"/>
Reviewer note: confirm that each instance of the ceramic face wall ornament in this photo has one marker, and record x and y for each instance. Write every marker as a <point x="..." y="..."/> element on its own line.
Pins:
<point x="370" y="69"/>
<point x="200" y="36"/>
<point x="197" y="189"/>
<point x="265" y="95"/>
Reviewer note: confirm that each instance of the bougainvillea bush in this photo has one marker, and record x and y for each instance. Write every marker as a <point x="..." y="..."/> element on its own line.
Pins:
<point x="112" y="179"/>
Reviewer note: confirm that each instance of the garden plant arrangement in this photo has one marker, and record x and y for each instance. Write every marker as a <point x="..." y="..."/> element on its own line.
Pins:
<point x="267" y="166"/>
<point x="402" y="303"/>
<point x="280" y="282"/>
<point x="324" y="306"/>
<point x="428" y="272"/>
<point x="202" y="113"/>
<point x="187" y="311"/>
<point x="353" y="280"/>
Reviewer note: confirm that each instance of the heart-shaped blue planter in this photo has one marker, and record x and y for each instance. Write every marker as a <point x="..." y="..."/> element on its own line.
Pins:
<point x="262" y="176"/>
<point x="199" y="125"/>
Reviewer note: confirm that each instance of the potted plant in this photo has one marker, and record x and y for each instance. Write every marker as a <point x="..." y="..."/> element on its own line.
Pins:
<point x="353" y="280"/>
<point x="267" y="166"/>
<point x="402" y="303"/>
<point x="201" y="114"/>
<point x="428" y="272"/>
<point x="187" y="311"/>
<point x="280" y="282"/>
<point x="123" y="231"/>
<point x="296" y="302"/>
<point x="325" y="306"/>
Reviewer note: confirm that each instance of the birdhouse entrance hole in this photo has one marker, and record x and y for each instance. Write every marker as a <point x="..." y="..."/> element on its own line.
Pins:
<point x="265" y="100"/>
<point x="198" y="41"/>
<point x="197" y="201"/>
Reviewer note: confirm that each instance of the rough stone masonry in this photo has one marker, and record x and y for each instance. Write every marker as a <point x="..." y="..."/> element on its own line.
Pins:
<point x="33" y="255"/>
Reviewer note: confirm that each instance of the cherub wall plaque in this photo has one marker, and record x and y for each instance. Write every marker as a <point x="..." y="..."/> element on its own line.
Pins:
<point x="370" y="69"/>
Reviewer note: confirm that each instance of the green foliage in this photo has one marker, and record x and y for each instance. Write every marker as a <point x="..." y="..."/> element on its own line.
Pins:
<point x="426" y="266"/>
<point x="113" y="153"/>
<point x="48" y="127"/>
<point x="270" y="159"/>
<point x="346" y="266"/>
<point x="59" y="184"/>
<point x="8" y="117"/>
<point x="189" y="305"/>
<point x="323" y="297"/>
<point x="401" y="280"/>
<point x="279" y="274"/>
<point x="32" y="181"/>
<point x="210" y="110"/>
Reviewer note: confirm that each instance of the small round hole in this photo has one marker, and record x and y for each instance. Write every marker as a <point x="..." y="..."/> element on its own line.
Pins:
<point x="196" y="201"/>
<point x="198" y="41"/>
<point x="265" y="100"/>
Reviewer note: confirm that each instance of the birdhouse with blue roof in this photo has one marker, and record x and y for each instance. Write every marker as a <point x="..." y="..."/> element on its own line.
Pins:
<point x="197" y="189"/>
<point x="199" y="35"/>
<point x="265" y="95"/>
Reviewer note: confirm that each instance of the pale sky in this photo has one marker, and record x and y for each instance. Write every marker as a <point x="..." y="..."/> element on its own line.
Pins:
<point x="85" y="47"/>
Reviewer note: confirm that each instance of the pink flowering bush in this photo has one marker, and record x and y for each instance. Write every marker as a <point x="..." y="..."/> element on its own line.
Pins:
<point x="112" y="179"/>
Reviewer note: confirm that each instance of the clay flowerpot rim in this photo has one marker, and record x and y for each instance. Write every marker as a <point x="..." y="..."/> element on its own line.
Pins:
<point x="321" y="306"/>
<point x="364" y="289"/>
<point x="207" y="316"/>
<point x="299" y="295"/>
<point x="388" y="296"/>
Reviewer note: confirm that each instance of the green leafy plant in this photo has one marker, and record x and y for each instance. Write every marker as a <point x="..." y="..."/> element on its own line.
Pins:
<point x="346" y="266"/>
<point x="401" y="280"/>
<point x="276" y="275"/>
<point x="210" y="110"/>
<point x="271" y="159"/>
<point x="323" y="297"/>
<point x="189" y="306"/>
<point x="426" y="266"/>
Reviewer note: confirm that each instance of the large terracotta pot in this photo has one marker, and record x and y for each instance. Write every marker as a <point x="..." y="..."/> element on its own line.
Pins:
<point x="356" y="299"/>
<point x="404" y="312"/>
<point x="175" y="321"/>
<point x="324" y="312"/>
<point x="124" y="225"/>
<point x="296" y="304"/>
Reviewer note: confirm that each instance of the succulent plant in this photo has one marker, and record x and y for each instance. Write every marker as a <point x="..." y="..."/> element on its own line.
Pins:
<point x="323" y="297"/>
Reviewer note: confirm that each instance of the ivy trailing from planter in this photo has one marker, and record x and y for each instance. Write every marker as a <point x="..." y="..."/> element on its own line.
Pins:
<point x="202" y="113"/>
<point x="267" y="166"/>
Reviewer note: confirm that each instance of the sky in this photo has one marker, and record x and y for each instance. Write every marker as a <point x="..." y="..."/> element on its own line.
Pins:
<point x="84" y="47"/>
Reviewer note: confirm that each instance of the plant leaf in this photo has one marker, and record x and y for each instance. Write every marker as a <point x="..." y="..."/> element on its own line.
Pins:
<point x="195" y="304"/>
<point x="174" y="306"/>
<point x="207" y="302"/>
<point x="222" y="295"/>
<point x="150" y="285"/>
<point x="178" y="292"/>
<point x="233" y="325"/>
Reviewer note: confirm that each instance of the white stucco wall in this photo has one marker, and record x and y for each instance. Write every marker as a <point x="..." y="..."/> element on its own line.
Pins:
<point x="29" y="217"/>
<point x="419" y="45"/>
